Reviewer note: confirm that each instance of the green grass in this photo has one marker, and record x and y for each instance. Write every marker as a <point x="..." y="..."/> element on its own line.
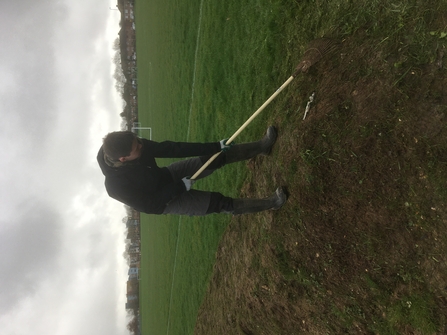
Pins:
<point x="225" y="95"/>
<point x="246" y="51"/>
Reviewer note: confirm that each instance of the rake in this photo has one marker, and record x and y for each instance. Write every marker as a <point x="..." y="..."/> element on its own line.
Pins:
<point x="315" y="51"/>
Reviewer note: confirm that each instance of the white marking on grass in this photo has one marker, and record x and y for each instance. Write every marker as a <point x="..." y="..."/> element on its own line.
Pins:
<point x="187" y="138"/>
<point x="194" y="71"/>
<point x="173" y="273"/>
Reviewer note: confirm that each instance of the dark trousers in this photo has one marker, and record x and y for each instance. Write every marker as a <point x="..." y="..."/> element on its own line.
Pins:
<point x="195" y="202"/>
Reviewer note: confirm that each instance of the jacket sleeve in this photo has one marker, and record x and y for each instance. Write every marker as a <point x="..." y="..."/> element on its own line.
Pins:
<point x="146" y="202"/>
<point x="169" y="149"/>
<point x="156" y="203"/>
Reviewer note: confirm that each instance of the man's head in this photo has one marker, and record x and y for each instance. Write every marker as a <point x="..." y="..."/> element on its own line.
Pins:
<point x="122" y="146"/>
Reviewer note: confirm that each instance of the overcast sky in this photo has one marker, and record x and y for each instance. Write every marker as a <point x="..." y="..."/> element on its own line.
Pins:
<point x="61" y="238"/>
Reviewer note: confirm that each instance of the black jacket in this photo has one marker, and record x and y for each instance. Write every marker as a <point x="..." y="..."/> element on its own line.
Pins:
<point x="142" y="184"/>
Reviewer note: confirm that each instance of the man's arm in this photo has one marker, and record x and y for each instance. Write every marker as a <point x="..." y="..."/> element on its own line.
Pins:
<point x="152" y="202"/>
<point x="170" y="149"/>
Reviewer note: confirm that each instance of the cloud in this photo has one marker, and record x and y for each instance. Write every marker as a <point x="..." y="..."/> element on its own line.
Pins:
<point x="32" y="242"/>
<point x="66" y="274"/>
<point x="28" y="78"/>
<point x="60" y="235"/>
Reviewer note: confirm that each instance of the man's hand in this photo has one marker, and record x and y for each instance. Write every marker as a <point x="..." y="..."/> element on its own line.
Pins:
<point x="224" y="146"/>
<point x="188" y="182"/>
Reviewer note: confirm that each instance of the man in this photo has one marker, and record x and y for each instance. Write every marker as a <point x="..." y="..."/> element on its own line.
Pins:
<point x="133" y="177"/>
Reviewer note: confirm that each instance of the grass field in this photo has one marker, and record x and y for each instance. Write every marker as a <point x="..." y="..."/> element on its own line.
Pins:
<point x="360" y="246"/>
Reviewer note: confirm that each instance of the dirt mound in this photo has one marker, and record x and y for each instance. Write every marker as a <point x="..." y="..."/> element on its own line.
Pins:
<point x="360" y="246"/>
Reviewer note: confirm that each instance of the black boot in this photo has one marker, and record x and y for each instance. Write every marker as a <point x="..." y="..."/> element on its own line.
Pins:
<point x="243" y="151"/>
<point x="275" y="201"/>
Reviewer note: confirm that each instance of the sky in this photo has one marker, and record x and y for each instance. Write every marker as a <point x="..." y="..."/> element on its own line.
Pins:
<point x="62" y="269"/>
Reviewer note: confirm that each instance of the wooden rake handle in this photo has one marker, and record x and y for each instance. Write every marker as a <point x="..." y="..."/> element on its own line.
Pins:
<point x="241" y="128"/>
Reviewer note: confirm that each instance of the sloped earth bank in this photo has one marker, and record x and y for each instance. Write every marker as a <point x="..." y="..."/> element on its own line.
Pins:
<point x="360" y="247"/>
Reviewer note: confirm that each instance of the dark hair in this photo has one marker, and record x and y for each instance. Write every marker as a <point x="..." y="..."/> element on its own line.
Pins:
<point x="118" y="144"/>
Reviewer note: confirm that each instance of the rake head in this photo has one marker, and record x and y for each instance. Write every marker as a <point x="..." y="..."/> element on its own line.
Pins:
<point x="316" y="50"/>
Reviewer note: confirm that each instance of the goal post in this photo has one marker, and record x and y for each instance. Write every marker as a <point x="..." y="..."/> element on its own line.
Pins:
<point x="141" y="131"/>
